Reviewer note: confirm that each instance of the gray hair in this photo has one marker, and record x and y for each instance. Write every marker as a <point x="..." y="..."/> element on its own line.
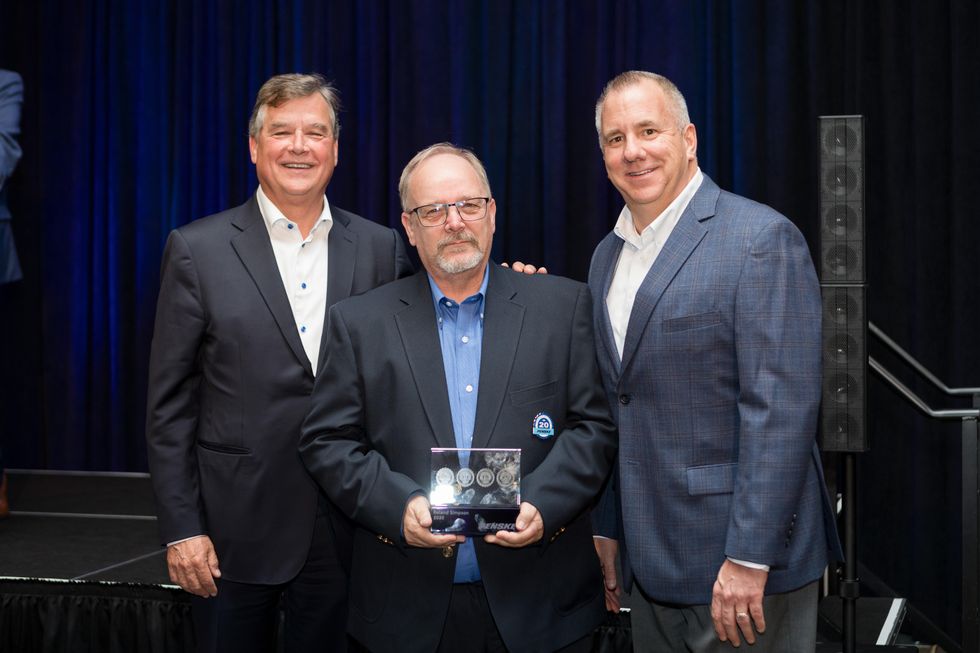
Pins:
<point x="292" y="86"/>
<point x="432" y="150"/>
<point x="675" y="99"/>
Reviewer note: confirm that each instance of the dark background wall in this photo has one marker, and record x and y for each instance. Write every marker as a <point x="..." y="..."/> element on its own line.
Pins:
<point x="135" y="117"/>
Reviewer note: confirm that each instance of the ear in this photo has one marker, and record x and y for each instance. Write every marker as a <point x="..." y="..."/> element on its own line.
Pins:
<point x="492" y="215"/>
<point x="409" y="228"/>
<point x="336" y="150"/>
<point x="691" y="140"/>
<point x="253" y="149"/>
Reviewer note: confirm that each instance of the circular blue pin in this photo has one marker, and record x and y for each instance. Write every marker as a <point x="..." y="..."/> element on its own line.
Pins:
<point x="543" y="426"/>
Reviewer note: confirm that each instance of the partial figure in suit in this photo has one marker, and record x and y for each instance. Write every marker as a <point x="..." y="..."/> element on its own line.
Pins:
<point x="236" y="347"/>
<point x="11" y="97"/>
<point x="707" y="313"/>
<point x="463" y="354"/>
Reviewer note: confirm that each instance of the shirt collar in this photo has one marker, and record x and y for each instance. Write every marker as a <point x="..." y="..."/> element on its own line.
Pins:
<point x="271" y="214"/>
<point x="438" y="296"/>
<point x="664" y="223"/>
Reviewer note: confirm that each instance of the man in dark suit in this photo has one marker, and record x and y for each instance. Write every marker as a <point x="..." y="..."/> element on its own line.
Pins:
<point x="707" y="310"/>
<point x="463" y="355"/>
<point x="236" y="348"/>
<point x="11" y="97"/>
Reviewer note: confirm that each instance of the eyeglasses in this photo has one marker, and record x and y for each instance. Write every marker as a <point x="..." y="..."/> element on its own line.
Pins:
<point x="469" y="210"/>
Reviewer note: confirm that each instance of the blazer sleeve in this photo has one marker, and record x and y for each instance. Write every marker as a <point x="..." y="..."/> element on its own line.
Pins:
<point x="11" y="96"/>
<point x="172" y="401"/>
<point x="777" y="341"/>
<point x="335" y="450"/>
<point x="403" y="264"/>
<point x="572" y="474"/>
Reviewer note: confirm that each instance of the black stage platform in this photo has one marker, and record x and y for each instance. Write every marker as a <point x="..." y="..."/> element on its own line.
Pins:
<point x="82" y="569"/>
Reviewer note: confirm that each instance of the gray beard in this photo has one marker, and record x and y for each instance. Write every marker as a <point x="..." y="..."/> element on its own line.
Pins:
<point x="460" y="263"/>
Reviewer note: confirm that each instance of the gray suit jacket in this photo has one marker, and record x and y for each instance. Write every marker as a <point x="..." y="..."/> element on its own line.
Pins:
<point x="716" y="398"/>
<point x="384" y="404"/>
<point x="230" y="383"/>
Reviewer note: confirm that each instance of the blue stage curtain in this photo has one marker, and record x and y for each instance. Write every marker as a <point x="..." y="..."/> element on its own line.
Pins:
<point x="135" y="122"/>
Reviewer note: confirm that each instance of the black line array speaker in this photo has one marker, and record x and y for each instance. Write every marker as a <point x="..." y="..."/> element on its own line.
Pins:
<point x="842" y="246"/>
<point x="843" y="410"/>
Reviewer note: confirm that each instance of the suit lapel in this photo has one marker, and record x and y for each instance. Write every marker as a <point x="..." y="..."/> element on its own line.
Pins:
<point x="341" y="248"/>
<point x="420" y="338"/>
<point x="502" y="323"/>
<point x="255" y="251"/>
<point x="683" y="240"/>
<point x="604" y="274"/>
<point x="341" y="252"/>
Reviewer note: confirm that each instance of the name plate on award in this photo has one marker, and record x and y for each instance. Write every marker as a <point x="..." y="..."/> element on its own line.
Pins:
<point x="476" y="498"/>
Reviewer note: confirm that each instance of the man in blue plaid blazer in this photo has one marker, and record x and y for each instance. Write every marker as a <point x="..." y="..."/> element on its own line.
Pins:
<point x="708" y="312"/>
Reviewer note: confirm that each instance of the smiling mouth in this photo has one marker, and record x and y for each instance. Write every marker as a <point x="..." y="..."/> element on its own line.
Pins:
<point x="298" y="166"/>
<point x="639" y="173"/>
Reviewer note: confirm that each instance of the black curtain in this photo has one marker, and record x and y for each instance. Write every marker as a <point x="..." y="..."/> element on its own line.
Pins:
<point x="84" y="617"/>
<point x="134" y="123"/>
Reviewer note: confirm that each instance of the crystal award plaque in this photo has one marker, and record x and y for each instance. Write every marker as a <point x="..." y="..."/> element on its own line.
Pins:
<point x="476" y="498"/>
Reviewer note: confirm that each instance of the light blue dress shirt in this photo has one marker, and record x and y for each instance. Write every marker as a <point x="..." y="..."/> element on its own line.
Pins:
<point x="461" y="337"/>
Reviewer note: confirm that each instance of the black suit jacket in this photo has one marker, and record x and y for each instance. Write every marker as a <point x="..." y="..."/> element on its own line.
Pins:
<point x="229" y="386"/>
<point x="384" y="404"/>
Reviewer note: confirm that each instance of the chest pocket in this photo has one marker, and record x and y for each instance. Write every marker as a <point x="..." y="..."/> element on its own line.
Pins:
<point x="691" y="322"/>
<point x="533" y="394"/>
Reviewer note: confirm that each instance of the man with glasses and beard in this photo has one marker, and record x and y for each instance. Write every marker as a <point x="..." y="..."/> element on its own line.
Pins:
<point x="463" y="354"/>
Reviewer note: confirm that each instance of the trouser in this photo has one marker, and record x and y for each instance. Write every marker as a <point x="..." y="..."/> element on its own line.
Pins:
<point x="791" y="625"/>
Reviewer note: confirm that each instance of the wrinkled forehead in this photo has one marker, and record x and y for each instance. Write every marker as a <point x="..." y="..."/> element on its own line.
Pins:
<point x="446" y="177"/>
<point x="643" y="101"/>
<point x="312" y="110"/>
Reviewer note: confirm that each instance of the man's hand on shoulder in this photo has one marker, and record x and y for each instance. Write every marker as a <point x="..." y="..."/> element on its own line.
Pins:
<point x="526" y="268"/>
<point x="530" y="529"/>
<point x="193" y="564"/>
<point x="736" y="602"/>
<point x="417" y="522"/>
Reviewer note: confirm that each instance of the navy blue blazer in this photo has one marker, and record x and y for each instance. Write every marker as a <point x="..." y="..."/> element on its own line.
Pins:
<point x="383" y="403"/>
<point x="716" y="398"/>
<point x="230" y="383"/>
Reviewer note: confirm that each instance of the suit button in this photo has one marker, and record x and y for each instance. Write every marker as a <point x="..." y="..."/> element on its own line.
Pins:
<point x="447" y="551"/>
<point x="624" y="399"/>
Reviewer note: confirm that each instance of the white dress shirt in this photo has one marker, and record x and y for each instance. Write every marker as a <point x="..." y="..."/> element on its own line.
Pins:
<point x="639" y="252"/>
<point x="303" y="267"/>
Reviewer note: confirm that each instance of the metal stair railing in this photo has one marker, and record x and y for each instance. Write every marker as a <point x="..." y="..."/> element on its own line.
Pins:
<point x="971" y="480"/>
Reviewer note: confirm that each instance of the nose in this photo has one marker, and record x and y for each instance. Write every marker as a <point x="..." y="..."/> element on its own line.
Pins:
<point x="632" y="149"/>
<point x="298" y="142"/>
<point x="454" y="219"/>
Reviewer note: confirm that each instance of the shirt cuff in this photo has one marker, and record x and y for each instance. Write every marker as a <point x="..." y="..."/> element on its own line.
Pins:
<point x="185" y="539"/>
<point x="750" y="565"/>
